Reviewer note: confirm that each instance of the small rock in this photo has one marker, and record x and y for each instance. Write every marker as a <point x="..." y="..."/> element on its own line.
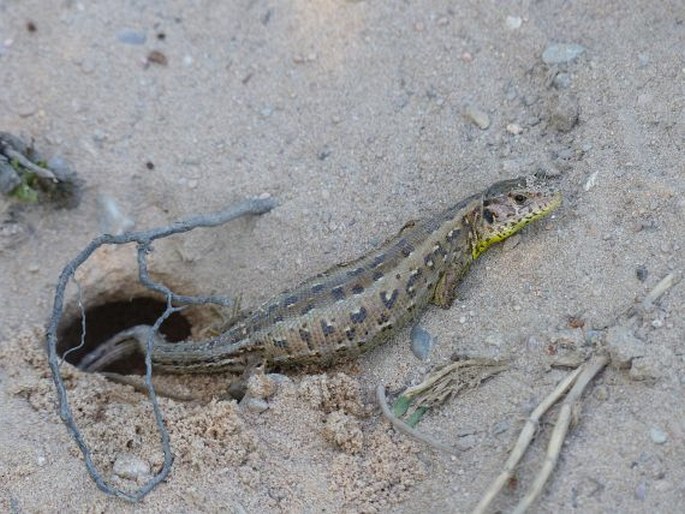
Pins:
<point x="623" y="346"/>
<point x="261" y="386"/>
<point x="324" y="153"/>
<point x="513" y="22"/>
<point x="478" y="117"/>
<point x="646" y="368"/>
<point x="641" y="491"/>
<point x="59" y="165"/>
<point x="514" y="128"/>
<point x="564" y="113"/>
<point x="501" y="427"/>
<point x="131" y="467"/>
<point x="254" y="404"/>
<point x="422" y="342"/>
<point x="641" y="272"/>
<point x="657" y="435"/>
<point x="561" y="53"/>
<point x="591" y="181"/>
<point x="156" y="57"/>
<point x="601" y="393"/>
<point x="131" y="37"/>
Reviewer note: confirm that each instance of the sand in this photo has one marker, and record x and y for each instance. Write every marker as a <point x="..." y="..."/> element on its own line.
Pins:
<point x="356" y="116"/>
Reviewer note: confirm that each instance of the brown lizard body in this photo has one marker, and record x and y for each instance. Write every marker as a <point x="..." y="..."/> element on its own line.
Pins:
<point x="355" y="306"/>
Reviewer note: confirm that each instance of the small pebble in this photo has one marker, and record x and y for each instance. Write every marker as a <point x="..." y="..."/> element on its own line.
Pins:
<point x="641" y="491"/>
<point x="641" y="272"/>
<point x="254" y="404"/>
<point x="591" y="181"/>
<point x="564" y="113"/>
<point x="561" y="53"/>
<point x="623" y="346"/>
<point x="131" y="467"/>
<point x="601" y="393"/>
<point x="478" y="117"/>
<point x="514" y="128"/>
<point x="157" y="57"/>
<point x="131" y="37"/>
<point x="501" y="427"/>
<point x="513" y="22"/>
<point x="646" y="368"/>
<point x="422" y="342"/>
<point x="657" y="435"/>
<point x="59" y="165"/>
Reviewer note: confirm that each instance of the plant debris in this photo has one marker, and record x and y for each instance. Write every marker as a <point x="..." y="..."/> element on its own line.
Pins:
<point x="28" y="177"/>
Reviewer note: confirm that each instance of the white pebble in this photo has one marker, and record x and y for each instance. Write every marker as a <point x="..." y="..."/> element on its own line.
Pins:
<point x="561" y="53"/>
<point x="591" y="181"/>
<point x="657" y="435"/>
<point x="513" y="22"/>
<point x="131" y="467"/>
<point x="514" y="128"/>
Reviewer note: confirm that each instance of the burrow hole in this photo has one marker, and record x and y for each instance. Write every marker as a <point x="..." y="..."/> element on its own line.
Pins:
<point x="108" y="319"/>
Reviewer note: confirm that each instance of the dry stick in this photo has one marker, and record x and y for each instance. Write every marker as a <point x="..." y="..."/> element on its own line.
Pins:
<point x="523" y="442"/>
<point x="144" y="239"/>
<point x="664" y="285"/>
<point x="589" y="370"/>
<point x="401" y="426"/>
<point x="26" y="163"/>
<point x="560" y="431"/>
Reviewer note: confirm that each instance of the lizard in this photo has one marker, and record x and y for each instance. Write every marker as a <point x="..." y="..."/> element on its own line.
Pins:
<point x="355" y="306"/>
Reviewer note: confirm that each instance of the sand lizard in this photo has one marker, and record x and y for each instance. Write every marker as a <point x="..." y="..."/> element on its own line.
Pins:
<point x="355" y="306"/>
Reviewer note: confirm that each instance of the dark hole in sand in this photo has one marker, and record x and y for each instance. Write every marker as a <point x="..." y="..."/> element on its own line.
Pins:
<point x="108" y="319"/>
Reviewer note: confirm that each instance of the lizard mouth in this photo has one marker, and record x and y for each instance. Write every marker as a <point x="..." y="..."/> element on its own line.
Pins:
<point x="506" y="213"/>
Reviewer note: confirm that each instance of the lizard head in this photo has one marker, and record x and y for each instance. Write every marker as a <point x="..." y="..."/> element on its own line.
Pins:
<point x="504" y="209"/>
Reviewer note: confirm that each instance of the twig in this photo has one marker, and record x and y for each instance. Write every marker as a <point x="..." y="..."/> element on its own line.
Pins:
<point x="144" y="239"/>
<point x="560" y="431"/>
<point x="580" y="378"/>
<point x="38" y="170"/>
<point x="523" y="442"/>
<point x="401" y="426"/>
<point x="664" y="285"/>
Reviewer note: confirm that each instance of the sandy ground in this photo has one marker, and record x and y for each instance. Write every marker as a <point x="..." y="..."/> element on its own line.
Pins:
<point x="357" y="116"/>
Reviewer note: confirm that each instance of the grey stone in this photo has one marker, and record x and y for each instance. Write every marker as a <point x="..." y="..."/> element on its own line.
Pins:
<point x="561" y="53"/>
<point x="623" y="346"/>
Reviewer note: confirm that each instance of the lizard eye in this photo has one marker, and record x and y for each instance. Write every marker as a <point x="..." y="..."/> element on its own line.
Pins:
<point x="489" y="216"/>
<point x="520" y="199"/>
